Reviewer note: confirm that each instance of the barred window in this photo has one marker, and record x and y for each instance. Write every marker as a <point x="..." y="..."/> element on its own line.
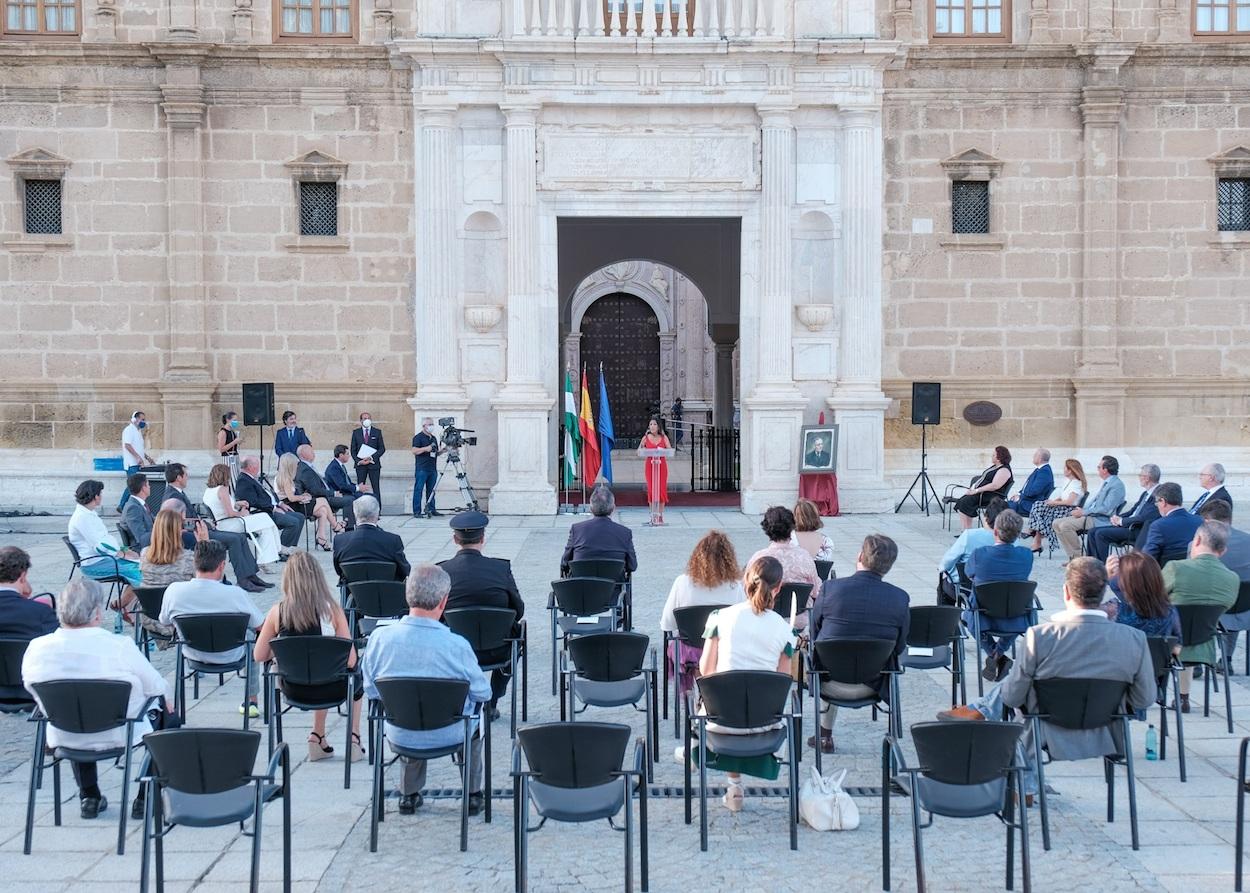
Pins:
<point x="1233" y="204"/>
<point x="970" y="206"/>
<point x="42" y="201"/>
<point x="318" y="209"/>
<point x="1219" y="17"/>
<point x="41" y="17"/>
<point x="971" y="19"/>
<point x="317" y="19"/>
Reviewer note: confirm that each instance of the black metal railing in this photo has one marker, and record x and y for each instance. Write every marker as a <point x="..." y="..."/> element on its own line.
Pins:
<point x="715" y="459"/>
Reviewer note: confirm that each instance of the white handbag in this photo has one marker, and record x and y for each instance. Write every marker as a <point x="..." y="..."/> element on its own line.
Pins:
<point x="824" y="805"/>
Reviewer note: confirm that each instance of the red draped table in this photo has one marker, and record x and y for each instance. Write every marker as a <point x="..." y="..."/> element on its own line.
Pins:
<point x="821" y="489"/>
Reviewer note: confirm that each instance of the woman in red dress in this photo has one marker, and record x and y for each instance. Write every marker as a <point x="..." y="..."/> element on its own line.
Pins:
<point x="655" y="470"/>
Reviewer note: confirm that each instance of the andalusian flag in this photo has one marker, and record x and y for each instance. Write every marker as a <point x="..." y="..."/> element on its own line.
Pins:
<point x="571" y="436"/>
<point x="607" y="437"/>
<point x="590" y="441"/>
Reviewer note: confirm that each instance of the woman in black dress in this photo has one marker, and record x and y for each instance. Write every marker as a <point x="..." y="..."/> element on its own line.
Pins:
<point x="994" y="481"/>
<point x="307" y="608"/>
<point x="228" y="442"/>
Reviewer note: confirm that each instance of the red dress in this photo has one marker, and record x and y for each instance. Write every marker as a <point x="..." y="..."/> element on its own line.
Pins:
<point x="656" y="470"/>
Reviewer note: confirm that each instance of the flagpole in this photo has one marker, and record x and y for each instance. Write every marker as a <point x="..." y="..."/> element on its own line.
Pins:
<point x="581" y="471"/>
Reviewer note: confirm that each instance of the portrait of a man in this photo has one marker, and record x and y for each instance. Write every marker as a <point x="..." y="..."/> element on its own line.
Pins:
<point x="820" y="445"/>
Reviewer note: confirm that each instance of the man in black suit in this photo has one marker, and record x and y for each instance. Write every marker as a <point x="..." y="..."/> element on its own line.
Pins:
<point x="337" y="477"/>
<point x="481" y="582"/>
<point x="369" y="542"/>
<point x="1172" y="533"/>
<point x="600" y="537"/>
<point x="135" y="513"/>
<point x="248" y="488"/>
<point x="817" y="456"/>
<point x="308" y="481"/>
<point x="241" y="557"/>
<point x="1212" y="480"/>
<point x="1127" y="528"/>
<point x="371" y="468"/>
<point x="861" y="606"/>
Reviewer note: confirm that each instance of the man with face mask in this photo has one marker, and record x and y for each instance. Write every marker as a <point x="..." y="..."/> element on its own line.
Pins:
<point x="425" y="449"/>
<point x="290" y="437"/>
<point x="133" y="451"/>
<point x="369" y="468"/>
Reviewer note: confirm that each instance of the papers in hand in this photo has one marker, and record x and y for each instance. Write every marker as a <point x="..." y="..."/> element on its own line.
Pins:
<point x="366" y="452"/>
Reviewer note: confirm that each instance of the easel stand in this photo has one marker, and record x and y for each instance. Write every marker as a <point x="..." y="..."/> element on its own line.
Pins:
<point x="922" y="478"/>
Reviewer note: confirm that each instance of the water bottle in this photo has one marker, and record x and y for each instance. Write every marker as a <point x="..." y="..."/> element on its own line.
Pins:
<point x="1152" y="744"/>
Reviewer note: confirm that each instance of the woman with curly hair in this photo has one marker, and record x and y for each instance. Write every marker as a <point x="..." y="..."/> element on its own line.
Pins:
<point x="712" y="577"/>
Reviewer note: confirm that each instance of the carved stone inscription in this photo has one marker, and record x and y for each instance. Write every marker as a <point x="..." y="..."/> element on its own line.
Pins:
<point x="609" y="158"/>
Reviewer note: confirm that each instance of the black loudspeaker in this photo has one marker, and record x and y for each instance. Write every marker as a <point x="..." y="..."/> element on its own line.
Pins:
<point x="258" y="403"/>
<point x="926" y="403"/>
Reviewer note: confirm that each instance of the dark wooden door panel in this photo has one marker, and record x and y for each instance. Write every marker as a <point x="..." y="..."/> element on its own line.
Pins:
<point x="621" y="332"/>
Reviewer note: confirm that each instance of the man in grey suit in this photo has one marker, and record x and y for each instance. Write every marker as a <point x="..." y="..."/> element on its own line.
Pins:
<point x="1236" y="558"/>
<point x="135" y="514"/>
<point x="1097" y="511"/>
<point x="1080" y="642"/>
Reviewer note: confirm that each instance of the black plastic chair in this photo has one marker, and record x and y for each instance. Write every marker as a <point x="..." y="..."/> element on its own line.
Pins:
<point x="81" y="707"/>
<point x="744" y="699"/>
<point x="14" y="698"/>
<point x="127" y="538"/>
<point x="114" y="582"/>
<point x="150" y="599"/>
<point x="824" y="570"/>
<point x="576" y="605"/>
<point x="205" y="778"/>
<point x="577" y="774"/>
<point x="1085" y="704"/>
<point x="1166" y="670"/>
<point x="609" y="569"/>
<point x="966" y="770"/>
<point x="796" y="595"/>
<point x="935" y="639"/>
<point x="362" y="572"/>
<point x="1172" y="556"/>
<point x="611" y="670"/>
<point x="490" y="630"/>
<point x="1240" y="606"/>
<point x="950" y="496"/>
<point x="1199" y="625"/>
<point x="209" y="634"/>
<point x="369" y="601"/>
<point x="1239" y="848"/>
<point x="1000" y="601"/>
<point x="303" y="663"/>
<point x="691" y="624"/>
<point x="423" y="704"/>
<point x="855" y="662"/>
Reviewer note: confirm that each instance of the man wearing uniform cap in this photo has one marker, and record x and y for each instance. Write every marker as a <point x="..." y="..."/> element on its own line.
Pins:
<point x="481" y="582"/>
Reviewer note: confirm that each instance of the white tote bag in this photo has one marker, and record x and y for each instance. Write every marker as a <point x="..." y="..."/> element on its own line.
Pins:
<point x="825" y="806"/>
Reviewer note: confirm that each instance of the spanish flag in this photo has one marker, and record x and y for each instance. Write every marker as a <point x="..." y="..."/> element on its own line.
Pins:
<point x="590" y="441"/>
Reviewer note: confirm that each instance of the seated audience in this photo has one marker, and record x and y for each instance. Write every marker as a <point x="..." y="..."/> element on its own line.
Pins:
<point x="420" y="646"/>
<point x="249" y="488"/>
<point x="1169" y="537"/>
<point x="1002" y="562"/>
<point x="207" y="594"/>
<point x="600" y="536"/>
<point x="478" y="581"/>
<point x="96" y="548"/>
<point x="22" y="614"/>
<point x="1201" y="579"/>
<point x="235" y="516"/>
<point x="1096" y="512"/>
<point x="972" y="539"/>
<point x="1038" y="485"/>
<point x="80" y="649"/>
<point x="1236" y="558"/>
<point x="237" y="545"/>
<point x="712" y="577"/>
<point x="168" y="561"/>
<point x="340" y="479"/>
<point x="369" y="542"/>
<point x="1128" y="528"/>
<point x="807" y="531"/>
<point x="797" y="564"/>
<point x="135" y="514"/>
<point x="1078" y="642"/>
<point x="1211" y="478"/>
<point x="994" y="481"/>
<point x="1061" y="504"/>
<point x="748" y="635"/>
<point x="308" y="481"/>
<point x="307" y="608"/>
<point x="306" y="504"/>
<point x="1140" y="599"/>
<point x="861" y="606"/>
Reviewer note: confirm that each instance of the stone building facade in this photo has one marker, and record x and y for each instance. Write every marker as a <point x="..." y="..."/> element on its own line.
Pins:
<point x="1103" y="310"/>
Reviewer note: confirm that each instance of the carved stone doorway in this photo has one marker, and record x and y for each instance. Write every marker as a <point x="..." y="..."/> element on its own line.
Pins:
<point x="621" y="332"/>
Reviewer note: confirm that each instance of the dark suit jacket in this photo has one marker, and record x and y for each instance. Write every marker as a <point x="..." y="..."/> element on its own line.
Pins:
<point x="1141" y="518"/>
<point x="288" y="442"/>
<point x="308" y="481"/>
<point x="600" y="538"/>
<point x="21" y="618"/>
<point x="481" y="582"/>
<point x="1171" y="535"/>
<point x="338" y="480"/>
<point x="171" y="493"/>
<point x="813" y="459"/>
<point x="1040" y="482"/>
<point x="374" y="439"/>
<point x="368" y="542"/>
<point x="1219" y="493"/>
<point x="861" y="606"/>
<point x="249" y="490"/>
<point x="999" y="562"/>
<point x="138" y="521"/>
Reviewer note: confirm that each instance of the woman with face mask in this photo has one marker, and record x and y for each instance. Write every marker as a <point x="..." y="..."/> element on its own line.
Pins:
<point x="228" y="438"/>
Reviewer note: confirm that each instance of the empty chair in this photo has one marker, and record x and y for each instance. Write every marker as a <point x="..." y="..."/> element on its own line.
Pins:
<point x="965" y="770"/>
<point x="14" y="698"/>
<point x="824" y="569"/>
<point x="854" y="664"/>
<point x="611" y="670"/>
<point x="609" y="569"/>
<point x="1167" y="670"/>
<point x="576" y="773"/>
<point x="935" y="639"/>
<point x="311" y="672"/>
<point x="369" y="601"/>
<point x="1199" y="625"/>
<point x="996" y="602"/>
<point x="1241" y="606"/>
<point x="206" y="778"/>
<point x="691" y="623"/>
<point x="149" y="599"/>
<point x="361" y="572"/>
<point x="580" y="605"/>
<point x="492" y="631"/>
<point x="792" y="599"/>
<point x="209" y="634"/>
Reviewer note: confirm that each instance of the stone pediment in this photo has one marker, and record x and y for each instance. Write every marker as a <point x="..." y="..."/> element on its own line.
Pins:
<point x="317" y="165"/>
<point x="1234" y="162"/>
<point x="39" y="164"/>
<point x="972" y="164"/>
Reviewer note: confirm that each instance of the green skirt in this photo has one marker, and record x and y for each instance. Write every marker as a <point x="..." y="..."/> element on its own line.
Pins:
<point x="767" y="767"/>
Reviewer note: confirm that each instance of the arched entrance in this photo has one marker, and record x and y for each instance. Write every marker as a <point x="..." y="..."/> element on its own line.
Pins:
<point x="621" y="332"/>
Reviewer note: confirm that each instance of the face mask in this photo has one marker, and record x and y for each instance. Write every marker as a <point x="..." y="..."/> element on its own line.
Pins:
<point x="142" y="424"/>
<point x="366" y="423"/>
<point x="234" y="423"/>
<point x="426" y="428"/>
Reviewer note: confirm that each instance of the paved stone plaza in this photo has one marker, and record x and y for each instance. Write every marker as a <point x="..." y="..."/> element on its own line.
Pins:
<point x="1186" y="829"/>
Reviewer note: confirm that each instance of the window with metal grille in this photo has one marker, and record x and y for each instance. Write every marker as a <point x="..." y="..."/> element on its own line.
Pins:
<point x="970" y="206"/>
<point x="1233" y="203"/>
<point x="318" y="209"/>
<point x="43" y="207"/>
<point x="41" y="17"/>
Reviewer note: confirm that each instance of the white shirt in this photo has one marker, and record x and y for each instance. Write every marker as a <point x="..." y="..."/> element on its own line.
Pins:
<point x="1073" y="613"/>
<point x="93" y="653"/>
<point x="132" y="436"/>
<point x="685" y="594"/>
<point x="1071" y="486"/>
<point x="87" y="532"/>
<point x="200" y="596"/>
<point x="749" y="641"/>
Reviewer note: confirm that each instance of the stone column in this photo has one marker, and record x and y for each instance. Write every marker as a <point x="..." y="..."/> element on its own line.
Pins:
<point x="858" y="404"/>
<point x="723" y="393"/>
<point x="668" y="371"/>
<point x="523" y="406"/>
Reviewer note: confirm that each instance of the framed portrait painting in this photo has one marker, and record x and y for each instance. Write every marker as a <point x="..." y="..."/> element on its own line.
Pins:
<point x="818" y="449"/>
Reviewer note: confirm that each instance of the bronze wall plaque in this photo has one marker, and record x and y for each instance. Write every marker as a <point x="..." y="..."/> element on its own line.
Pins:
<point x="982" y="413"/>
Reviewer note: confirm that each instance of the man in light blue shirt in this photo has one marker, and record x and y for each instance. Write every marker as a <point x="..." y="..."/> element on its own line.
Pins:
<point x="420" y="646"/>
<point x="972" y="539"/>
<point x="1097" y="511"/>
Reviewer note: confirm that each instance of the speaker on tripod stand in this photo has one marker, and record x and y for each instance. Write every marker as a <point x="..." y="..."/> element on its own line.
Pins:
<point x="926" y="410"/>
<point x="258" y="411"/>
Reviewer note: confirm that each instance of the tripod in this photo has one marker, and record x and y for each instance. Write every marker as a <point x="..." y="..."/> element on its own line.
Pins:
<point x="922" y="478"/>
<point x="462" y="478"/>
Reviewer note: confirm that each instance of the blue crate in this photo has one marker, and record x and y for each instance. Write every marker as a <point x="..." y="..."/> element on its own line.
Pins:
<point x="111" y="464"/>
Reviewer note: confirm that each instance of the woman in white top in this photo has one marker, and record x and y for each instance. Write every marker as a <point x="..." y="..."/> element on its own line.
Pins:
<point x="236" y="517"/>
<point x="749" y="636"/>
<point x="1043" y="515"/>
<point x="96" y="548"/>
<point x="807" y="533"/>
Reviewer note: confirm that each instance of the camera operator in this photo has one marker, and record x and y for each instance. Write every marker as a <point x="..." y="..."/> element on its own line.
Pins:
<point x="425" y="473"/>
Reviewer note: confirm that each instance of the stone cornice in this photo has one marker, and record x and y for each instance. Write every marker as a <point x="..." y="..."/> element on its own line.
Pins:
<point x="184" y="105"/>
<point x="982" y="388"/>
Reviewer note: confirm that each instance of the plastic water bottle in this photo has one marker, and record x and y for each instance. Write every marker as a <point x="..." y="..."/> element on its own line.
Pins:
<point x="1152" y="744"/>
